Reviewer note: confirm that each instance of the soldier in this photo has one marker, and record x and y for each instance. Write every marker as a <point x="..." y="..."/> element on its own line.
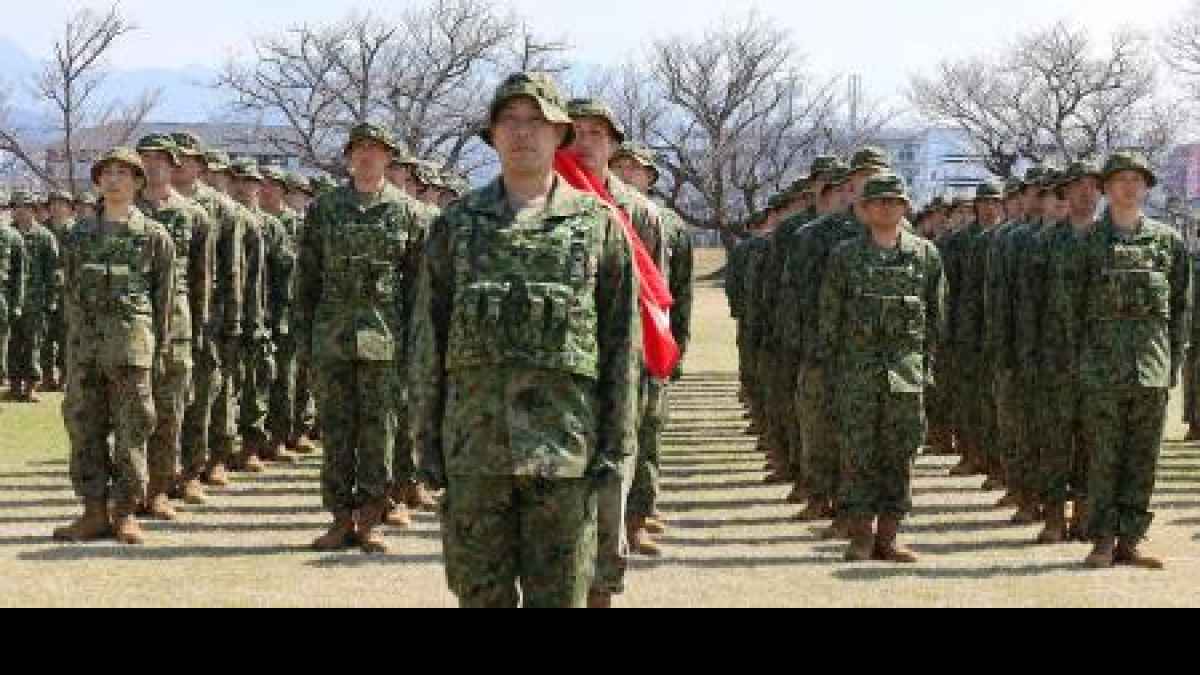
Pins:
<point x="951" y="411"/>
<point x="62" y="221"/>
<point x="86" y="208"/>
<point x="635" y="166"/>
<point x="1063" y="461"/>
<point x="597" y="137"/>
<point x="1136" y="312"/>
<point x="550" y="353"/>
<point x="210" y="422"/>
<point x="195" y="239"/>
<point x="12" y="289"/>
<point x="119" y="273"/>
<point x="361" y="244"/>
<point x="25" y="347"/>
<point x="299" y="197"/>
<point x="881" y="313"/>
<point x="299" y="194"/>
<point x="402" y="173"/>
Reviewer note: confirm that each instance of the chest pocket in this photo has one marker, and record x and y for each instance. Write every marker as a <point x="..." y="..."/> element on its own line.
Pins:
<point x="525" y="297"/>
<point x="114" y="292"/>
<point x="889" y="312"/>
<point x="1134" y="286"/>
<point x="361" y="309"/>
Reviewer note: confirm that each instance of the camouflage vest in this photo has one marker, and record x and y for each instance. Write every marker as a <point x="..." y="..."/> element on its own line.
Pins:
<point x="1134" y="283"/>
<point x="114" y="295"/>
<point x="525" y="297"/>
<point x="361" y="281"/>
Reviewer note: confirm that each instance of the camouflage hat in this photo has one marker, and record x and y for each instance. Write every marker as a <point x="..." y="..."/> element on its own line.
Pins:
<point x="937" y="203"/>
<point x="89" y="199"/>
<point x="581" y="108"/>
<point x="372" y="132"/>
<point x="20" y="199"/>
<point x="777" y="202"/>
<point x="870" y="158"/>
<point x="839" y="176"/>
<point x="428" y="174"/>
<point x="886" y="186"/>
<point x="246" y="169"/>
<point x="538" y="86"/>
<point x="640" y="154"/>
<point x="60" y="196"/>
<point x="1129" y="161"/>
<point x="1050" y="180"/>
<point x="188" y="144"/>
<point x="990" y="190"/>
<point x="298" y="183"/>
<point x="160" y="143"/>
<point x="275" y="175"/>
<point x="1034" y="177"/>
<point x="218" y="161"/>
<point x="822" y="166"/>
<point x="126" y="156"/>
<point x="1079" y="170"/>
<point x="1014" y="186"/>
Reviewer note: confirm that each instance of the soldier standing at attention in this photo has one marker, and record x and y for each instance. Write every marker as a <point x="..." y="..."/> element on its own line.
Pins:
<point x="360" y="244"/>
<point x="119" y="280"/>
<point x="61" y="205"/>
<point x="41" y="250"/>
<point x="194" y="239"/>
<point x="527" y="365"/>
<point x="299" y="197"/>
<point x="1136" y="311"/>
<point x="882" y="312"/>
<point x="12" y="288"/>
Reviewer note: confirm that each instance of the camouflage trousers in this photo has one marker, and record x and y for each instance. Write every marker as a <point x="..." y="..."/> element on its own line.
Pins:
<point x="210" y="423"/>
<point x="882" y="432"/>
<point x="103" y="403"/>
<point x="978" y="423"/>
<point x="5" y="338"/>
<point x="612" y="556"/>
<point x="643" y="495"/>
<point x="1065" y="453"/>
<point x="1125" y="431"/>
<point x="356" y="400"/>
<point x="509" y="540"/>
<point x="822" y="443"/>
<point x="1014" y="415"/>
<point x="53" y="350"/>
<point x="281" y="421"/>
<point x="254" y="379"/>
<point x="305" y="412"/>
<point x="1191" y="388"/>
<point x="745" y="371"/>
<point x="404" y="456"/>
<point x="25" y="347"/>
<point x="172" y="396"/>
<point x="939" y="399"/>
<point x="783" y="429"/>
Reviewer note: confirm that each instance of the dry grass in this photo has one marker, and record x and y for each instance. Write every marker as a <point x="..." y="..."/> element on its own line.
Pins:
<point x="731" y="544"/>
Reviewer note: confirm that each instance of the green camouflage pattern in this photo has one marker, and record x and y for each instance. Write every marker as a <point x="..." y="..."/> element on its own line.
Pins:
<point x="12" y="287"/>
<point x="42" y="284"/>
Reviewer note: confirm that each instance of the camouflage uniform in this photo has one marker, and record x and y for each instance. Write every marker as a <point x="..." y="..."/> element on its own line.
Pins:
<point x="355" y="258"/>
<point x="282" y="273"/>
<point x="53" y="355"/>
<point x="41" y="289"/>
<point x="257" y="369"/>
<point x="12" y="287"/>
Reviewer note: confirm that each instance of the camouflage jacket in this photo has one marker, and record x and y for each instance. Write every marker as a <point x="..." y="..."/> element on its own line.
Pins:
<point x="735" y="281"/>
<point x="42" y="281"/>
<point x="1062" y="307"/>
<point x="527" y="339"/>
<point x="259" y="229"/>
<point x="882" y="312"/>
<point x="227" y="301"/>
<point x="753" y="323"/>
<point x="358" y="264"/>
<point x="119" y="288"/>
<point x="195" y="238"/>
<point x="973" y="300"/>
<point x="816" y="247"/>
<point x="1031" y="295"/>
<point x="12" y="272"/>
<point x="1001" y="330"/>
<point x="1137" y="307"/>
<point x="775" y="267"/>
<point x="282" y="270"/>
<point x="953" y="251"/>
<point x="680" y="276"/>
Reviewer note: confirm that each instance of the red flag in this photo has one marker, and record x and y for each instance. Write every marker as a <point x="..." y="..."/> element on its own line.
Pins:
<point x="661" y="350"/>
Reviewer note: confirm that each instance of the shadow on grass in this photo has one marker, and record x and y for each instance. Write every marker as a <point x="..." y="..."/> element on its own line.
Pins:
<point x="36" y="488"/>
<point x="745" y="459"/>
<point x="730" y="563"/>
<point x="108" y="551"/>
<point x="723" y="523"/>
<point x="670" y="506"/>
<point x="879" y="572"/>
<point x="249" y="491"/>
<point x="50" y="462"/>
<point x="26" y="475"/>
<point x="947" y="527"/>
<point x="693" y="473"/>
<point x="355" y="559"/>
<point x="718" y="542"/>
<point x="979" y="546"/>
<point x="948" y="490"/>
<point x="701" y="486"/>
<point x="214" y="509"/>
<point x="29" y="540"/>
<point x="927" y="510"/>
<point x="37" y="503"/>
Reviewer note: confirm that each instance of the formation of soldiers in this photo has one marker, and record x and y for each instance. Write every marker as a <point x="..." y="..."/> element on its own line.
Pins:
<point x="1035" y="330"/>
<point x="215" y="316"/>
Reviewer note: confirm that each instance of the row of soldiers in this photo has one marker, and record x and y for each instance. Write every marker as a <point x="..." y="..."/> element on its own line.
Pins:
<point x="1064" y="327"/>
<point x="485" y="344"/>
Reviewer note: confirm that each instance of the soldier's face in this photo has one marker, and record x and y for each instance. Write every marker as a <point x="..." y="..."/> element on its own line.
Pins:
<point x="884" y="214"/>
<point x="594" y="144"/>
<point x="119" y="183"/>
<point x="1013" y="206"/>
<point x="271" y="195"/>
<point x="1127" y="190"/>
<point x="989" y="212"/>
<point x="159" y="168"/>
<point x="247" y="191"/>
<point x="61" y="211"/>
<point x="1084" y="197"/>
<point x="23" y="215"/>
<point x="524" y="139"/>
<point x="633" y="173"/>
<point x="369" y="159"/>
<point x="188" y="172"/>
<point x="298" y="201"/>
<point x="87" y="211"/>
<point x="1031" y="202"/>
<point x="402" y="177"/>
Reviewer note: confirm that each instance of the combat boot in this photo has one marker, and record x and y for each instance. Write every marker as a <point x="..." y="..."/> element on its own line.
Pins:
<point x="93" y="525"/>
<point x="862" y="541"/>
<point x="340" y="536"/>
<point x="655" y="526"/>
<point x="818" y="509"/>
<point x="1129" y="553"/>
<point x="158" y="505"/>
<point x="217" y="473"/>
<point x="31" y="392"/>
<point x="798" y="495"/>
<point x="302" y="446"/>
<point x="886" y="548"/>
<point x="276" y="453"/>
<point x="125" y="525"/>
<point x="838" y="531"/>
<point x="415" y="496"/>
<point x="1009" y="501"/>
<point x="599" y="600"/>
<point x="192" y="491"/>
<point x="1079" y="521"/>
<point x="1103" y="555"/>
<point x="398" y="515"/>
<point x="247" y="460"/>
<point x="1027" y="511"/>
<point x="1056" y="526"/>
<point x="1193" y="434"/>
<point x="14" y="390"/>
<point x="640" y="541"/>
<point x="370" y="517"/>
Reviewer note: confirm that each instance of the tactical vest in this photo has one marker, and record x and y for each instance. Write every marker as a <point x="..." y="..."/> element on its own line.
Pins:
<point x="114" y="295"/>
<point x="361" y="301"/>
<point x="1134" y="284"/>
<point x="886" y="320"/>
<point x="525" y="298"/>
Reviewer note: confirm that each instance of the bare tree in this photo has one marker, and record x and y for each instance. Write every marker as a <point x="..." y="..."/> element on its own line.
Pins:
<point x="1181" y="46"/>
<point x="1053" y="94"/>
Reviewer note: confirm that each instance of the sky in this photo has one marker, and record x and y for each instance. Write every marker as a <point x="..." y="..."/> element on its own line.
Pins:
<point x="883" y="42"/>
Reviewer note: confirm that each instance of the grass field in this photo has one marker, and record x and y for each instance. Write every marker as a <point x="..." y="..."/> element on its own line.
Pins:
<point x="732" y="542"/>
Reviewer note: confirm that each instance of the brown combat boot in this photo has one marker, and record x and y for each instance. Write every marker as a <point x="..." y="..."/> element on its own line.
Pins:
<point x="192" y="491"/>
<point x="640" y="541"/>
<point x="370" y="517"/>
<point x="302" y="446"/>
<point x="1129" y="553"/>
<point x="158" y="505"/>
<point x="125" y="525"/>
<point x="862" y="540"/>
<point x="1103" y="555"/>
<point x="247" y="461"/>
<point x="798" y="495"/>
<point x="818" y="509"/>
<point x="838" y="531"/>
<point x="1027" y="511"/>
<point x="886" y="548"/>
<point x="1009" y="501"/>
<point x="217" y="472"/>
<point x="275" y="452"/>
<point x="31" y="392"/>
<point x="398" y="515"/>
<point x="1056" y="526"/>
<point x="418" y="498"/>
<point x="1079" y="522"/>
<point x="655" y="526"/>
<point x="340" y="536"/>
<point x="93" y="525"/>
<point x="599" y="600"/>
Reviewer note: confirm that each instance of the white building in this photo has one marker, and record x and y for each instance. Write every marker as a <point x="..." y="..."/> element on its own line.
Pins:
<point x="935" y="161"/>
